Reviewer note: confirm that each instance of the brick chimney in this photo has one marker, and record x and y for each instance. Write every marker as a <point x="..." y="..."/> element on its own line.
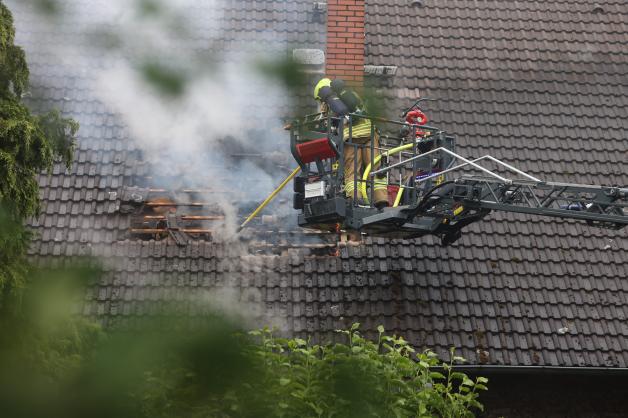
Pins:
<point x="345" y="41"/>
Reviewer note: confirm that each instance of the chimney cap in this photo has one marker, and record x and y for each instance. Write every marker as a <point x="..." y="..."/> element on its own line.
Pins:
<point x="309" y="56"/>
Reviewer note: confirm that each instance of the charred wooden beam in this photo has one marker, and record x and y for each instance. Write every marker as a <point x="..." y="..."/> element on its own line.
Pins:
<point x="166" y="230"/>
<point x="189" y="191"/>
<point x="194" y="204"/>
<point x="186" y="217"/>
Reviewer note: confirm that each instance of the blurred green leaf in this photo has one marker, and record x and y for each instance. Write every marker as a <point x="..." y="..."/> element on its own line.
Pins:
<point x="104" y="38"/>
<point x="285" y="70"/>
<point x="165" y="80"/>
<point x="149" y="8"/>
<point x="48" y="7"/>
<point x="458" y="376"/>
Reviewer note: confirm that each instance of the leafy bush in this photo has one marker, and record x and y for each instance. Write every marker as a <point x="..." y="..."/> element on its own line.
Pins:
<point x="55" y="364"/>
<point x="43" y="344"/>
<point x="293" y="378"/>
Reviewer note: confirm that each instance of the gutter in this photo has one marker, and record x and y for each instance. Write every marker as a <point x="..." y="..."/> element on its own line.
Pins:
<point x="546" y="370"/>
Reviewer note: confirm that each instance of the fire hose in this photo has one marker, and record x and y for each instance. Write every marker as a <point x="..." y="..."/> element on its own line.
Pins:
<point x="377" y="159"/>
<point x="269" y="198"/>
<point x="363" y="191"/>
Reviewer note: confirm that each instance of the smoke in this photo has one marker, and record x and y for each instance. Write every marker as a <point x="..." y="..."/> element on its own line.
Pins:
<point x="187" y="101"/>
<point x="187" y="89"/>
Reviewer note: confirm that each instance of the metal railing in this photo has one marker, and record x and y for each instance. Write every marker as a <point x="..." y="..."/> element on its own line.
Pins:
<point x="335" y="128"/>
<point x="467" y="162"/>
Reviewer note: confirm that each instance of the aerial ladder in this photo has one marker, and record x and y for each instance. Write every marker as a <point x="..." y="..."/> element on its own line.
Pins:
<point x="432" y="189"/>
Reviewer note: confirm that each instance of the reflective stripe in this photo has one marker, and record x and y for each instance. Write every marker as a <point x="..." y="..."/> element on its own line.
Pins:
<point x="349" y="189"/>
<point x="360" y="130"/>
<point x="380" y="181"/>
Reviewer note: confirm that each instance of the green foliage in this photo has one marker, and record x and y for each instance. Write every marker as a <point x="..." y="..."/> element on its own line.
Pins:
<point x="29" y="144"/>
<point x="14" y="240"/>
<point x="293" y="378"/>
<point x="167" y="81"/>
<point x="47" y="7"/>
<point x="53" y="364"/>
<point x="286" y="70"/>
<point x="149" y="7"/>
<point x="13" y="69"/>
<point x="43" y="345"/>
<point x="376" y="105"/>
<point x="60" y="133"/>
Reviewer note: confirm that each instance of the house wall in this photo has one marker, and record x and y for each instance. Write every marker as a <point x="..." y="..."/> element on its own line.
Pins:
<point x="553" y="396"/>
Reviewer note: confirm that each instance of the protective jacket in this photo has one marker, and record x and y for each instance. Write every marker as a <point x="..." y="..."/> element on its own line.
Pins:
<point x="341" y="101"/>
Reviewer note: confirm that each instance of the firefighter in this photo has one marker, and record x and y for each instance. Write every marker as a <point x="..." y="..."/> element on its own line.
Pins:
<point x="334" y="97"/>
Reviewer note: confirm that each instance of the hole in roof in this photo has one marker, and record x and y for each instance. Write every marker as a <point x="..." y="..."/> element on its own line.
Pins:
<point x="182" y="217"/>
<point x="187" y="215"/>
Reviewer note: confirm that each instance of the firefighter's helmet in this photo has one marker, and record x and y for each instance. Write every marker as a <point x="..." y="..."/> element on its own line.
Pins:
<point x="325" y="82"/>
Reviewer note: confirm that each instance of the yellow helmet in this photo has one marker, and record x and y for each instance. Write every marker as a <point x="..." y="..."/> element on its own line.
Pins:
<point x="325" y="82"/>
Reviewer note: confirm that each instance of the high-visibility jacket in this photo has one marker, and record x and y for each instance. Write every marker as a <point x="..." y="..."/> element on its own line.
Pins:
<point x="361" y="128"/>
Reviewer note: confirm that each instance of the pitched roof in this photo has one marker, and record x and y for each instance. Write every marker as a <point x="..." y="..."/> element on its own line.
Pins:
<point x="538" y="84"/>
<point x="542" y="86"/>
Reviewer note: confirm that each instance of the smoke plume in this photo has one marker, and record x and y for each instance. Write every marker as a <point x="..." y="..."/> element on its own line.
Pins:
<point x="184" y="87"/>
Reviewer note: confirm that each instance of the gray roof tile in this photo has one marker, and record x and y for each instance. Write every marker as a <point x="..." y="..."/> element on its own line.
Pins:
<point x="539" y="84"/>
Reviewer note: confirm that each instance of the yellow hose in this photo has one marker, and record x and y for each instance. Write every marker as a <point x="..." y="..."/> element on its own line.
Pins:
<point x="398" y="198"/>
<point x="376" y="160"/>
<point x="269" y="198"/>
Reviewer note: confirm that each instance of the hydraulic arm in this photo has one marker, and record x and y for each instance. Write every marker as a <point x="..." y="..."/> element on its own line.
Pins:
<point x="453" y="205"/>
<point x="449" y="206"/>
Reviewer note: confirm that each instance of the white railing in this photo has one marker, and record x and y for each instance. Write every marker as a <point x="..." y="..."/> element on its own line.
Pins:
<point x="467" y="162"/>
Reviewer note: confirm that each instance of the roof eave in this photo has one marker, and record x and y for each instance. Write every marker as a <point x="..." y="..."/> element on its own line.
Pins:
<point x="556" y="370"/>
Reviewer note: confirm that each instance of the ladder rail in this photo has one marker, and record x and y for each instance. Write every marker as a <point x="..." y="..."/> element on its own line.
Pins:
<point x="557" y="213"/>
<point x="603" y="204"/>
<point x="467" y="162"/>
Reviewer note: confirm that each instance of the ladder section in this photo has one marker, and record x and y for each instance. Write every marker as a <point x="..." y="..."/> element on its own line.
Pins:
<point x="601" y="206"/>
<point x="512" y="190"/>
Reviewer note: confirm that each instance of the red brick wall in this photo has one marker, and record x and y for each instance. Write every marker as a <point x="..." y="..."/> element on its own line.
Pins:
<point x="345" y="40"/>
